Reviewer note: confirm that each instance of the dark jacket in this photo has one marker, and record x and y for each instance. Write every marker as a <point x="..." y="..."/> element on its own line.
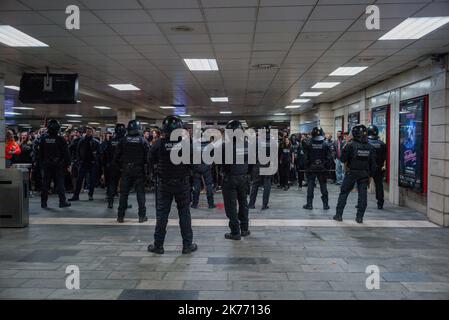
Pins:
<point x="53" y="151"/>
<point x="88" y="151"/>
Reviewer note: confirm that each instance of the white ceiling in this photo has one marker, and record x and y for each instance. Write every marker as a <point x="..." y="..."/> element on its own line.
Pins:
<point x="132" y="41"/>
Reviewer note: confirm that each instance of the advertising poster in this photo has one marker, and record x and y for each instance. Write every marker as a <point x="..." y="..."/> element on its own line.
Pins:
<point x="411" y="144"/>
<point x="353" y="120"/>
<point x="307" y="126"/>
<point x="338" y="125"/>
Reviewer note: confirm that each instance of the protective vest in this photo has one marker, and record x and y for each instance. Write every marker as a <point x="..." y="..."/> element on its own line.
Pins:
<point x="53" y="151"/>
<point x="380" y="151"/>
<point x="317" y="153"/>
<point x="134" y="150"/>
<point x="165" y="168"/>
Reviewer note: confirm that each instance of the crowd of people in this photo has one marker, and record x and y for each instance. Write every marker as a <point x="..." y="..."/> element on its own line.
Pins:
<point x="131" y="159"/>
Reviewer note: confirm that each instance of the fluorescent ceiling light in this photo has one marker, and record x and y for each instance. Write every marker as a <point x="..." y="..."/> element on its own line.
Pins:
<point x="279" y="121"/>
<point x="9" y="113"/>
<point x="201" y="64"/>
<point x="71" y="115"/>
<point x="94" y="123"/>
<point x="143" y="122"/>
<point x="74" y="121"/>
<point x="16" y="88"/>
<point x="292" y="107"/>
<point x="184" y="115"/>
<point x="24" y="125"/>
<point x="311" y="94"/>
<point x="124" y="87"/>
<point x="225" y="112"/>
<point x="12" y="37"/>
<point x="23" y="108"/>
<point x="167" y="107"/>
<point x="280" y="114"/>
<point x="347" y="71"/>
<point x="110" y="124"/>
<point x="219" y="99"/>
<point x="78" y="101"/>
<point x="102" y="107"/>
<point x="415" y="28"/>
<point x="325" y="85"/>
<point x="300" y="100"/>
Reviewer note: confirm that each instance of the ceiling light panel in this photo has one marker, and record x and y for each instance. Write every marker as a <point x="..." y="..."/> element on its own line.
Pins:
<point x="415" y="28"/>
<point x="219" y="99"/>
<point x="347" y="71"/>
<point x="292" y="107"/>
<point x="16" y="88"/>
<point x="300" y="100"/>
<point x="201" y="64"/>
<point x="311" y="94"/>
<point x="325" y="85"/>
<point x="124" y="87"/>
<point x="102" y="107"/>
<point x="12" y="37"/>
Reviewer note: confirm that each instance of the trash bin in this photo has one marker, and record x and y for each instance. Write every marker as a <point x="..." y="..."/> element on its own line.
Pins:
<point x="14" y="204"/>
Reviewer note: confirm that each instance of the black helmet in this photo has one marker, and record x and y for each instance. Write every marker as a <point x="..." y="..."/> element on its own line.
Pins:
<point x="53" y="126"/>
<point x="234" y="124"/>
<point x="373" y="132"/>
<point x="359" y="132"/>
<point x="171" y="123"/>
<point x="133" y="127"/>
<point x="120" y="130"/>
<point x="317" y="134"/>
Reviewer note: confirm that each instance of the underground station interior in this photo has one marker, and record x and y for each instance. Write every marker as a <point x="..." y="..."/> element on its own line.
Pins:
<point x="335" y="74"/>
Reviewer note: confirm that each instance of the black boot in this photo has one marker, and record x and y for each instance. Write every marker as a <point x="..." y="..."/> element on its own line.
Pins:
<point x="326" y="206"/>
<point x="156" y="249"/>
<point x="359" y="219"/>
<point x="44" y="205"/>
<point x="110" y="204"/>
<point x="189" y="249"/>
<point x="338" y="217"/>
<point x="194" y="206"/>
<point x="74" y="198"/>
<point x="245" y="233"/>
<point x="143" y="219"/>
<point x="380" y="205"/>
<point x="307" y="206"/>
<point x="65" y="204"/>
<point x="212" y="206"/>
<point x="233" y="236"/>
<point x="120" y="219"/>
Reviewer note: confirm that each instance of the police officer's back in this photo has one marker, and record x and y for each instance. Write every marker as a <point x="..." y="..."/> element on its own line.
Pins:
<point x="132" y="156"/>
<point x="380" y="150"/>
<point x="111" y="169"/>
<point x="173" y="182"/>
<point x="317" y="155"/>
<point x="236" y="186"/>
<point x="54" y="158"/>
<point x="359" y="157"/>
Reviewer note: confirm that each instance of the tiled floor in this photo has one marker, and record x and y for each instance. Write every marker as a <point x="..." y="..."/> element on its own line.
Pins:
<point x="291" y="254"/>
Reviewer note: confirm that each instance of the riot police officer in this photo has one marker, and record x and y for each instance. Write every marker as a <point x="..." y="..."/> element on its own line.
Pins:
<point x="54" y="158"/>
<point x="111" y="169"/>
<point x="235" y="188"/>
<point x="359" y="158"/>
<point x="317" y="160"/>
<point x="173" y="182"/>
<point x="380" y="150"/>
<point x="258" y="180"/>
<point x="131" y="156"/>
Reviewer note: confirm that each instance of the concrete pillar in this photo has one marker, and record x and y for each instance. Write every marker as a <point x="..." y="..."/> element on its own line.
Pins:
<point x="294" y="123"/>
<point x="326" y="118"/>
<point x="125" y="115"/>
<point x="438" y="187"/>
<point x="2" y="117"/>
<point x="394" y="191"/>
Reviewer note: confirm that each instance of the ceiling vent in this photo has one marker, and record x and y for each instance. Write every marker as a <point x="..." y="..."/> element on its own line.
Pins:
<point x="182" y="29"/>
<point x="264" y="66"/>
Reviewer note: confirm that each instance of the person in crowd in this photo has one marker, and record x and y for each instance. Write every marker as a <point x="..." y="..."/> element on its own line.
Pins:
<point x="12" y="149"/>
<point x="300" y="160"/>
<point x="339" y="145"/>
<point x="360" y="161"/>
<point x="285" y="162"/>
<point x="88" y="152"/>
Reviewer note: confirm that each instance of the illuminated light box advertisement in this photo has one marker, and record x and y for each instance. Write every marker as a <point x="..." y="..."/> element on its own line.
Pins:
<point x="353" y="120"/>
<point x="307" y="126"/>
<point x="412" y="149"/>
<point x="380" y="119"/>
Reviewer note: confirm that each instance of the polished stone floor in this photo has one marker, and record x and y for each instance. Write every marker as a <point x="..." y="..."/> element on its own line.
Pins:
<point x="291" y="254"/>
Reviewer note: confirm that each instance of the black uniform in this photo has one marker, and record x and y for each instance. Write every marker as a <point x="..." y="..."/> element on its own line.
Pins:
<point x="112" y="170"/>
<point x="317" y="162"/>
<point x="380" y="150"/>
<point x="201" y="171"/>
<point x="258" y="180"/>
<point x="285" y="161"/>
<point x="173" y="182"/>
<point x="131" y="155"/>
<point x="235" y="189"/>
<point x="53" y="158"/>
<point x="88" y="153"/>
<point x="360" y="163"/>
